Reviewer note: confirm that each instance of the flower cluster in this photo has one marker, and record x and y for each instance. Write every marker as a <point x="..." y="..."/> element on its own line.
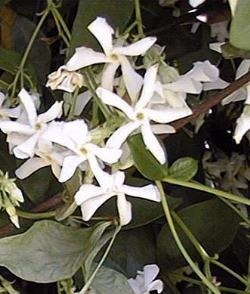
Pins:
<point x="132" y="103"/>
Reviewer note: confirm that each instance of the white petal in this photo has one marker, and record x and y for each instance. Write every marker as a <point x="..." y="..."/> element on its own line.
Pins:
<point x="121" y="134"/>
<point x="81" y="102"/>
<point x="248" y="94"/>
<point x="152" y="143"/>
<point x="214" y="85"/>
<point x="132" y="80"/>
<point x="2" y="98"/>
<point x="137" y="48"/>
<point x="103" y="33"/>
<point x="124" y="209"/>
<point x="243" y="68"/>
<point x="236" y="96"/>
<point x="148" y="87"/>
<point x="112" y="99"/>
<point x="55" y="111"/>
<point x="11" y="112"/>
<point x="156" y="285"/>
<point x="149" y="192"/>
<point x="242" y="124"/>
<point x="86" y="192"/>
<point x="108" y="75"/>
<point x="216" y="46"/>
<point x="84" y="57"/>
<point x="150" y="273"/>
<point x="203" y="72"/>
<point x="27" y="149"/>
<point x="195" y="3"/>
<point x="30" y="166"/>
<point x="162" y="129"/>
<point x="134" y="285"/>
<point x="77" y="130"/>
<point x="168" y="114"/>
<point x="69" y="166"/>
<point x="13" y="126"/>
<point x="29" y="106"/>
<point x="109" y="155"/>
<point x="184" y="84"/>
<point x="56" y="169"/>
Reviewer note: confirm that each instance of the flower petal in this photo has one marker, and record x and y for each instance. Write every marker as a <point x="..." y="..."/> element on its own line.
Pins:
<point x="203" y="71"/>
<point x="152" y="143"/>
<point x="168" y="114"/>
<point x="137" y="48"/>
<point x="132" y="80"/>
<point x="82" y="100"/>
<point x="184" y="84"/>
<point x="124" y="208"/>
<point x="69" y="166"/>
<point x="84" y="57"/>
<point x="30" y="166"/>
<point x="108" y="75"/>
<point x="109" y="155"/>
<point x="14" y="126"/>
<point x="156" y="285"/>
<point x="242" y="124"/>
<point x="86" y="192"/>
<point x="55" y="111"/>
<point x="149" y="192"/>
<point x="103" y="33"/>
<point x="29" y="106"/>
<point x="162" y="129"/>
<point x="27" y="149"/>
<point x="112" y="99"/>
<point x="148" y="87"/>
<point x="121" y="134"/>
<point x="216" y="84"/>
<point x="150" y="273"/>
<point x="243" y="68"/>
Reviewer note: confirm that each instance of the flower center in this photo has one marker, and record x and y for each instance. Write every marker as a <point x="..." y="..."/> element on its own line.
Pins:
<point x="84" y="151"/>
<point x="38" y="126"/>
<point x="114" y="57"/>
<point x="140" y="116"/>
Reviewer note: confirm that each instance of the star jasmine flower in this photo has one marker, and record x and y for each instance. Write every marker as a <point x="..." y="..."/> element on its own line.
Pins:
<point x="114" y="56"/>
<point x="195" y="3"/>
<point x="75" y="136"/>
<point x="90" y="197"/>
<point x="140" y="115"/>
<point x="7" y="112"/>
<point x="242" y="124"/>
<point x="144" y="282"/>
<point x="29" y="131"/>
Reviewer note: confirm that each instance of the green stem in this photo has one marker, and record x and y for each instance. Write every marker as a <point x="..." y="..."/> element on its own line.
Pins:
<point x="58" y="25"/>
<point x="89" y="282"/>
<point x="200" y="187"/>
<point x="194" y="267"/>
<point x="62" y="22"/>
<point x="138" y="18"/>
<point x="73" y="104"/>
<point x="231" y="272"/>
<point x="33" y="215"/>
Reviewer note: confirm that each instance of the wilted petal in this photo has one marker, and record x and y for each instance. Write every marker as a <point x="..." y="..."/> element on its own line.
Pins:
<point x="149" y="192"/>
<point x="168" y="114"/>
<point x="27" y="149"/>
<point x="90" y="206"/>
<point x="109" y="155"/>
<point x="133" y="81"/>
<point x="30" y="166"/>
<point x="103" y="33"/>
<point x="148" y="87"/>
<point x="121" y="134"/>
<point x="203" y="71"/>
<point x="137" y="48"/>
<point x="84" y="57"/>
<point x="112" y="99"/>
<point x="108" y="75"/>
<point x="69" y="166"/>
<point x="124" y="208"/>
<point x="152" y="143"/>
<point x="55" y="111"/>
<point x="29" y="106"/>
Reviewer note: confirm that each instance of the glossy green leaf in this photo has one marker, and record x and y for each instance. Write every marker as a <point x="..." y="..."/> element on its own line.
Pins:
<point x="240" y="26"/>
<point x="109" y="281"/>
<point x="49" y="251"/>
<point x="184" y="168"/>
<point x="144" y="161"/>
<point x="213" y="223"/>
<point x="117" y="13"/>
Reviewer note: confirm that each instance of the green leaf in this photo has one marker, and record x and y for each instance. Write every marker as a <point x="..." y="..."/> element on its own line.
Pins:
<point x="49" y="251"/>
<point x="184" y="168"/>
<point x="240" y="26"/>
<point x="230" y="52"/>
<point x="117" y="13"/>
<point x="144" y="161"/>
<point x="212" y="222"/>
<point x="109" y="281"/>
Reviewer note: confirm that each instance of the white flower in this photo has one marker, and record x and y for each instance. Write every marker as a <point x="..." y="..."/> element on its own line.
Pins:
<point x="140" y="116"/>
<point x="114" y="56"/>
<point x="242" y="124"/>
<point x="144" y="281"/>
<point x="7" y="112"/>
<point x="195" y="3"/>
<point x="90" y="197"/>
<point x="29" y="132"/>
<point x="75" y="136"/>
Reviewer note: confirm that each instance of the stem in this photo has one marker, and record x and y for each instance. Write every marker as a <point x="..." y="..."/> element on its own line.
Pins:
<point x="62" y="22"/>
<point x="73" y="104"/>
<point x="33" y="215"/>
<point x="200" y="187"/>
<point x="138" y="18"/>
<point x="89" y="282"/>
<point x="194" y="267"/>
